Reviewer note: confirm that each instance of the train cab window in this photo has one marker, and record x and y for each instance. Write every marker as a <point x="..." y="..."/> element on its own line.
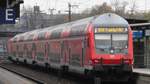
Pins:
<point x="119" y="43"/>
<point x="103" y="43"/>
<point x="111" y="43"/>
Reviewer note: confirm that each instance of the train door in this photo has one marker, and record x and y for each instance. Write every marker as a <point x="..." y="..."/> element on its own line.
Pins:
<point x="84" y="47"/>
<point x="29" y="51"/>
<point x="33" y="50"/>
<point x="54" y="53"/>
<point x="17" y="52"/>
<point x="46" y="52"/>
<point x="75" y="51"/>
<point x="85" y="51"/>
<point x="14" y="51"/>
<point x="65" y="53"/>
<point x="25" y="51"/>
<point x="20" y="51"/>
<point x="40" y="52"/>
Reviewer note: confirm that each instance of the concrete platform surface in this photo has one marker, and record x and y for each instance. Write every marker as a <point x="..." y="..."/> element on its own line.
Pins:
<point x="142" y="70"/>
<point x="7" y="77"/>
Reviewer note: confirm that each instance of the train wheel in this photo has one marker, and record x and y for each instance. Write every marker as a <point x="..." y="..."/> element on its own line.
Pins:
<point x="97" y="80"/>
<point x="131" y="80"/>
<point x="34" y="65"/>
<point x="65" y="69"/>
<point x="25" y="62"/>
<point x="9" y="58"/>
<point x="60" y="73"/>
<point x="17" y="61"/>
<point x="47" y="67"/>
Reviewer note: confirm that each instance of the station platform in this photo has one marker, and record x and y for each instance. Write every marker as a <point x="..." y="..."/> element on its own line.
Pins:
<point x="145" y="71"/>
<point x="7" y="77"/>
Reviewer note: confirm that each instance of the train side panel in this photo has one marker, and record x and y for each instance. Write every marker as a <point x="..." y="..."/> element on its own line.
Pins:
<point x="14" y="52"/>
<point x="39" y="49"/>
<point x="54" y="53"/>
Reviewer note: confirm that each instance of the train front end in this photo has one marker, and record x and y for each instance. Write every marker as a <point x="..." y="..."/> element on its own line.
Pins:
<point x="112" y="55"/>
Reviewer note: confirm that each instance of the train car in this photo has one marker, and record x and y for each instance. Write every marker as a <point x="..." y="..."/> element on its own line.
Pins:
<point x="100" y="45"/>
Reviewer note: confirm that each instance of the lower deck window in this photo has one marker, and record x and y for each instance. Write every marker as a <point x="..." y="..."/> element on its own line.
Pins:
<point x="29" y="55"/>
<point x="40" y="56"/>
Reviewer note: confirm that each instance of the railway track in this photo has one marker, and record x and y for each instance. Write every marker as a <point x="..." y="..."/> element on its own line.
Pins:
<point x="23" y="75"/>
<point x="40" y="77"/>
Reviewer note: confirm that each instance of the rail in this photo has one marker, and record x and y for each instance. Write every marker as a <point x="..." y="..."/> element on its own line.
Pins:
<point x="23" y="75"/>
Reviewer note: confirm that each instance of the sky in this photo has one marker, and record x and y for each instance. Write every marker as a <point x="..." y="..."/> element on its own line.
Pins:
<point x="62" y="5"/>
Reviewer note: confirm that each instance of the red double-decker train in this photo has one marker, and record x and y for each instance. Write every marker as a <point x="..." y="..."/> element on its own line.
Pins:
<point x="100" y="45"/>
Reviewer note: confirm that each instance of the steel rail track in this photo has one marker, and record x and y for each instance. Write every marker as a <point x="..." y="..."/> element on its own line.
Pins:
<point x="23" y="75"/>
<point x="46" y="77"/>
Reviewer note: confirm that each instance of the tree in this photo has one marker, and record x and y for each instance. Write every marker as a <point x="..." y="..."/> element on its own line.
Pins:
<point x="147" y="15"/>
<point x="133" y="7"/>
<point x="104" y="8"/>
<point x="115" y="4"/>
<point x="119" y="7"/>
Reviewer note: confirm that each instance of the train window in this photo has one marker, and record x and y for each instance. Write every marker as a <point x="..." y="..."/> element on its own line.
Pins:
<point x="86" y="42"/>
<point x="25" y="46"/>
<point x="78" y="30"/>
<point x="30" y="37"/>
<point x="14" y="54"/>
<point x="102" y="43"/>
<point x="33" y="47"/>
<point x="119" y="43"/>
<point x="41" y="36"/>
<point x="21" y="38"/>
<point x="106" y="43"/>
<point x="40" y="56"/>
<point x="29" y="55"/>
<point x="56" y="33"/>
<point x="20" y="54"/>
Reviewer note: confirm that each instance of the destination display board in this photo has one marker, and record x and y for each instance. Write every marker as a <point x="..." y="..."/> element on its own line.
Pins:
<point x="110" y="30"/>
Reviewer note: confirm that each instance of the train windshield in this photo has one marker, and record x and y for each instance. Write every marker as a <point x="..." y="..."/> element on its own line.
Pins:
<point x="119" y="43"/>
<point x="103" y="43"/>
<point x="111" y="43"/>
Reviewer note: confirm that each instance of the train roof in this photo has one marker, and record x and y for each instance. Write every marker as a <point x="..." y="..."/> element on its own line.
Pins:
<point x="110" y="20"/>
<point x="73" y="28"/>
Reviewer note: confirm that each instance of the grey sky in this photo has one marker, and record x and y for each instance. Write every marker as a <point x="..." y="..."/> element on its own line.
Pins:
<point x="83" y="4"/>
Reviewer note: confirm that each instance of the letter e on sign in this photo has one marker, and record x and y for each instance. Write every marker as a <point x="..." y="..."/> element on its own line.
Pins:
<point x="9" y="15"/>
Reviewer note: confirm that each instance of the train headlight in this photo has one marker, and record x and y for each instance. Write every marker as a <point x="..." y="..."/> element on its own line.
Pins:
<point x="126" y="62"/>
<point x="96" y="61"/>
<point x="111" y="51"/>
<point x="90" y="62"/>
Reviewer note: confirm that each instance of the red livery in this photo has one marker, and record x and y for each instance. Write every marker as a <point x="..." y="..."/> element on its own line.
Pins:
<point x="100" y="45"/>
